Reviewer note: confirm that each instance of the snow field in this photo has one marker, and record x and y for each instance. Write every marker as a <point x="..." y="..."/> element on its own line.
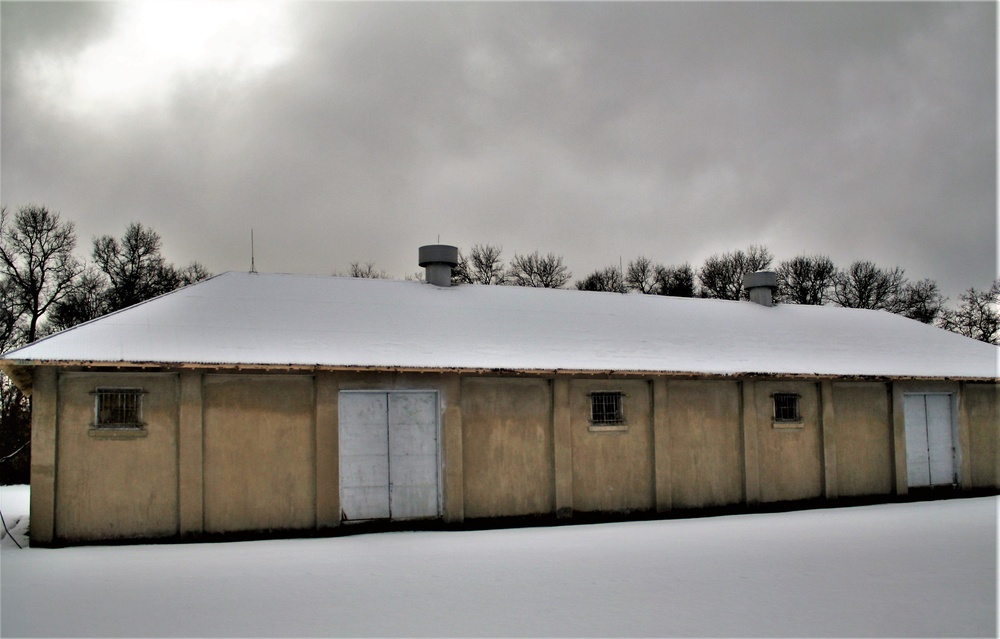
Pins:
<point x="912" y="569"/>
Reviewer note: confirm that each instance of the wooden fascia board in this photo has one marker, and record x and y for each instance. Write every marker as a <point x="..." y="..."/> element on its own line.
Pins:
<point x="19" y="371"/>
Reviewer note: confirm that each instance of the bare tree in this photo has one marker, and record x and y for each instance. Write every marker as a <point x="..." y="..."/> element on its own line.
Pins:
<point x="978" y="316"/>
<point x="87" y="300"/>
<point x="607" y="279"/>
<point x="135" y="269"/>
<point x="806" y="279"/>
<point x="722" y="275"/>
<point x="538" y="271"/>
<point x="921" y="301"/>
<point x="193" y="273"/>
<point x="865" y="285"/>
<point x="15" y="434"/>
<point x="9" y="319"/>
<point x="676" y="281"/>
<point x="366" y="271"/>
<point x="36" y="260"/>
<point x="482" y="266"/>
<point x="640" y="275"/>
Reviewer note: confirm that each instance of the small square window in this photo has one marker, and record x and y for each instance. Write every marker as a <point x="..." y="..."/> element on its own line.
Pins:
<point x="786" y="408"/>
<point x="118" y="408"/>
<point x="606" y="408"/>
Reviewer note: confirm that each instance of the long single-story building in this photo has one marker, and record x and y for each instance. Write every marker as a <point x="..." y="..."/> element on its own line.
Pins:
<point x="263" y="402"/>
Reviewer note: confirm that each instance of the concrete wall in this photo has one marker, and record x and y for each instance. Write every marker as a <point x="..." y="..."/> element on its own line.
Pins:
<point x="232" y="451"/>
<point x="507" y="449"/>
<point x="863" y="439"/>
<point x="116" y="485"/>
<point x="981" y="407"/>
<point x="259" y="437"/>
<point x="704" y="443"/>
<point x="790" y="455"/>
<point x="612" y="469"/>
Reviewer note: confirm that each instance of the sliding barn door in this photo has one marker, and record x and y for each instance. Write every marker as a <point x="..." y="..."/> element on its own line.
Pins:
<point x="389" y="455"/>
<point x="930" y="440"/>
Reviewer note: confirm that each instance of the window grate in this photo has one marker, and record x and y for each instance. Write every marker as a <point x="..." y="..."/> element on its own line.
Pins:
<point x="118" y="407"/>
<point x="606" y="408"/>
<point x="786" y="407"/>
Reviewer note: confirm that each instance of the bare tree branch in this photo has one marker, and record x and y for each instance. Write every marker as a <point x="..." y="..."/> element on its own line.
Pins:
<point x="36" y="260"/>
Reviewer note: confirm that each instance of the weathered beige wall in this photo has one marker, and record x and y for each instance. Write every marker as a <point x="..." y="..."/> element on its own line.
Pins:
<point x="327" y="450"/>
<point x="122" y="487"/>
<point x="981" y="403"/>
<point x="507" y="447"/>
<point x="612" y="470"/>
<point x="450" y="448"/>
<point x="190" y="464"/>
<point x="790" y="458"/>
<point x="704" y="443"/>
<point x="44" y="423"/>
<point x="863" y="436"/>
<point x="256" y="452"/>
<point x="259" y="452"/>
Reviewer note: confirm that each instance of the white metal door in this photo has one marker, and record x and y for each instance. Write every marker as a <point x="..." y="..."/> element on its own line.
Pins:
<point x="413" y="463"/>
<point x="930" y="442"/>
<point x="389" y="455"/>
<point x="364" y="460"/>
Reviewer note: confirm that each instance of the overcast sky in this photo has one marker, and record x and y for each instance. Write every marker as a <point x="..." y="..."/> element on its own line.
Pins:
<point x="348" y="132"/>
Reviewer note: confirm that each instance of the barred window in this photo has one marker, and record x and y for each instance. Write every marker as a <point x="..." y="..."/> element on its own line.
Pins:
<point x="606" y="408"/>
<point x="118" y="408"/>
<point x="786" y="408"/>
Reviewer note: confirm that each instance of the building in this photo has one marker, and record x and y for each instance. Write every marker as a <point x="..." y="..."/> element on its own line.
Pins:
<point x="260" y="402"/>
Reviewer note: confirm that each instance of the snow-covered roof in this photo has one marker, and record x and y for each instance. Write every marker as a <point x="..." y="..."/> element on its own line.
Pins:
<point x="255" y="319"/>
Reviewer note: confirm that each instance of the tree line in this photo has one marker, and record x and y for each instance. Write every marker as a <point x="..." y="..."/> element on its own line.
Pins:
<point x="804" y="279"/>
<point x="45" y="288"/>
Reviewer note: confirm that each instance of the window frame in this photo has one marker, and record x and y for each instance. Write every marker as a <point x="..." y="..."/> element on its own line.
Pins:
<point x="122" y="395"/>
<point x="779" y="411"/>
<point x="604" y="419"/>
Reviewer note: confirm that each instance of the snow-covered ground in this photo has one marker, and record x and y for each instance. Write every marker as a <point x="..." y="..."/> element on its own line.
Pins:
<point x="914" y="569"/>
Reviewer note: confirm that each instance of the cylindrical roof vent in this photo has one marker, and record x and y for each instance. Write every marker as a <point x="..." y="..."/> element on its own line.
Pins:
<point x="761" y="286"/>
<point x="438" y="260"/>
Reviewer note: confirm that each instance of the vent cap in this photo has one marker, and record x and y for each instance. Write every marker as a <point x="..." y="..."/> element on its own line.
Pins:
<point x="438" y="260"/>
<point x="761" y="286"/>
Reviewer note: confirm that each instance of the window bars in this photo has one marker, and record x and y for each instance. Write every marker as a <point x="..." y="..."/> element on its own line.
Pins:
<point x="786" y="408"/>
<point x="118" y="407"/>
<point x="606" y="408"/>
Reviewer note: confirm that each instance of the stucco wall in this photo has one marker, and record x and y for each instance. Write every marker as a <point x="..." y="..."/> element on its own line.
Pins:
<point x="612" y="469"/>
<point x="704" y="444"/>
<point x="110" y="488"/>
<point x="259" y="456"/>
<point x="232" y="452"/>
<point x="790" y="456"/>
<point x="507" y="447"/>
<point x="863" y="439"/>
<point x="982" y="406"/>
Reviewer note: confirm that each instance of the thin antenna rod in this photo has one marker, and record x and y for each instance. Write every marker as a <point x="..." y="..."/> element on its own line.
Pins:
<point x="253" y="267"/>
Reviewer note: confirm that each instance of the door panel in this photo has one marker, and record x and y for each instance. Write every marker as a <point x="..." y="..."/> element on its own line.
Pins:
<point x="917" y="457"/>
<point x="940" y="440"/>
<point x="364" y="464"/>
<point x="930" y="447"/>
<point x="388" y="458"/>
<point x="413" y="466"/>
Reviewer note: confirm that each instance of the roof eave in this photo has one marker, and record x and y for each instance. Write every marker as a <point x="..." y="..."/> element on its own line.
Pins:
<point x="20" y="371"/>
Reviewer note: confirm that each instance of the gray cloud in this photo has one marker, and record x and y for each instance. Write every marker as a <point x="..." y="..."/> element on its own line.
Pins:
<point x="596" y="130"/>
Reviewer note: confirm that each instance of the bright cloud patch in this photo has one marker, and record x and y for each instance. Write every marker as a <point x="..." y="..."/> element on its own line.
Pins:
<point x="154" y="47"/>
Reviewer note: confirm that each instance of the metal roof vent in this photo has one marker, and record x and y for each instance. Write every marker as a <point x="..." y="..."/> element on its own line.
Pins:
<point x="438" y="260"/>
<point x="761" y="286"/>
